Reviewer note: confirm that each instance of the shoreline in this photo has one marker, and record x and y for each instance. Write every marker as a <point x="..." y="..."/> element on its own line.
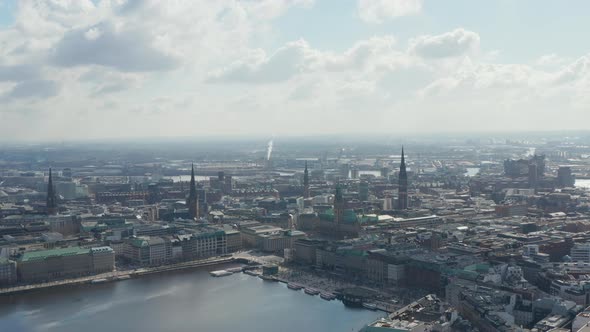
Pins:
<point x="324" y="285"/>
<point x="286" y="275"/>
<point x="117" y="275"/>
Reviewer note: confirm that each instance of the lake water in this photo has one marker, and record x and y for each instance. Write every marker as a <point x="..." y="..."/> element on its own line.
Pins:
<point x="183" y="301"/>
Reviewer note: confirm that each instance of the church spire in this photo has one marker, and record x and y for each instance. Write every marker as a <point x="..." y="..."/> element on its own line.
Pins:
<point x="193" y="199"/>
<point x="51" y="202"/>
<point x="338" y="205"/>
<point x="403" y="162"/>
<point x="306" y="182"/>
<point x="192" y="185"/>
<point x="402" y="197"/>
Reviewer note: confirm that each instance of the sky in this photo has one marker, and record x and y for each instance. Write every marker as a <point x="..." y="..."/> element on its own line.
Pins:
<point x="92" y="69"/>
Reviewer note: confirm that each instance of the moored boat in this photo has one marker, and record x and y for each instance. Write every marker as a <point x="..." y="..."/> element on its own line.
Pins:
<point x="327" y="296"/>
<point x="294" y="286"/>
<point x="370" y="306"/>
<point x="220" y="273"/>
<point x="267" y="278"/>
<point x="311" y="291"/>
<point x="98" y="281"/>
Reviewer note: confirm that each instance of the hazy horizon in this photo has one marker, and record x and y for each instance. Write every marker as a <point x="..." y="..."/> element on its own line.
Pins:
<point x="343" y="137"/>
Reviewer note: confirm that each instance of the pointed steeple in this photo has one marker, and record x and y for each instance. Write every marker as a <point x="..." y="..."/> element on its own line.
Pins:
<point x="192" y="184"/>
<point x="193" y="200"/>
<point x="403" y="162"/>
<point x="402" y="199"/>
<point x="338" y="197"/>
<point x="51" y="202"/>
<point x="338" y="205"/>
<point x="306" y="182"/>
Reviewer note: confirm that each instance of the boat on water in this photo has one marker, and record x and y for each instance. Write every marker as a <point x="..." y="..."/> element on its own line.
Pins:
<point x="234" y="269"/>
<point x="251" y="273"/>
<point x="370" y="306"/>
<point x="124" y="277"/>
<point x="98" y="281"/>
<point x="311" y="291"/>
<point x="327" y="296"/>
<point x="294" y="286"/>
<point x="267" y="278"/>
<point x="220" y="273"/>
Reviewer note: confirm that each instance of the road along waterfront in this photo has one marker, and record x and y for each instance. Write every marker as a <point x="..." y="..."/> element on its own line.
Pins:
<point x="184" y="300"/>
<point x="116" y="275"/>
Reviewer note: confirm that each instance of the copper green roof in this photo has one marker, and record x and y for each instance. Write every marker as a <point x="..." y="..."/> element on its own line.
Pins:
<point x="209" y="234"/>
<point x="139" y="242"/>
<point x="352" y="252"/>
<point x="44" y="254"/>
<point x="482" y="268"/>
<point x="348" y="216"/>
<point x="369" y="219"/>
<point x="4" y="260"/>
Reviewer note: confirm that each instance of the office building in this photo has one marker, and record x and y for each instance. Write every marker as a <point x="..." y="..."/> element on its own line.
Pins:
<point x="580" y="252"/>
<point x="70" y="262"/>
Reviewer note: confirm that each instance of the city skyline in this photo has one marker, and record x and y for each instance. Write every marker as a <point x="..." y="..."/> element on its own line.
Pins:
<point x="294" y="165"/>
<point x="413" y="236"/>
<point x="129" y="69"/>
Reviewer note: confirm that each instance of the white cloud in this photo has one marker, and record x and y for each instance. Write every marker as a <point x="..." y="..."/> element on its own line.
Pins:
<point x="93" y="33"/>
<point x="579" y="69"/>
<point x="379" y="11"/>
<point x="35" y="89"/>
<point x="286" y="62"/>
<point x="17" y="73"/>
<point x="550" y="60"/>
<point x="298" y="57"/>
<point x="68" y="61"/>
<point x="135" y="50"/>
<point x="450" y="44"/>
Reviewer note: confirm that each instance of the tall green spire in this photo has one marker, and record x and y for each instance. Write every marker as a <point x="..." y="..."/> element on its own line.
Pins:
<point x="193" y="199"/>
<point x="51" y="202"/>
<point x="306" y="182"/>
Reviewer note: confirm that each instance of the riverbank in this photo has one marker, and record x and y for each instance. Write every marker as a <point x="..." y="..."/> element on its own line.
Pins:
<point x="308" y="280"/>
<point x="181" y="301"/>
<point x="117" y="275"/>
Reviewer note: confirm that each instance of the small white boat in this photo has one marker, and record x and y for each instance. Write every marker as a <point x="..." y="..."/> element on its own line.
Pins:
<point x="98" y="281"/>
<point x="220" y="273"/>
<point x="370" y="306"/>
<point x="327" y="296"/>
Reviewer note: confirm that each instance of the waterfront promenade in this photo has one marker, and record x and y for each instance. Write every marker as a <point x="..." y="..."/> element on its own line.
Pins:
<point x="117" y="275"/>
<point x="287" y="274"/>
<point x="245" y="257"/>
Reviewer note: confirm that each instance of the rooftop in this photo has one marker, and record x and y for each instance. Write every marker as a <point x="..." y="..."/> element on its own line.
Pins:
<point x="44" y="254"/>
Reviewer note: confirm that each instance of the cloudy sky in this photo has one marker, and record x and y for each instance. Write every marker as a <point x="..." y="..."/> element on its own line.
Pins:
<point x="77" y="69"/>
